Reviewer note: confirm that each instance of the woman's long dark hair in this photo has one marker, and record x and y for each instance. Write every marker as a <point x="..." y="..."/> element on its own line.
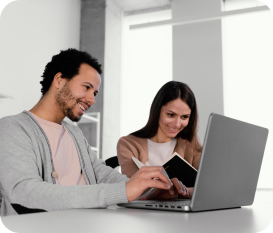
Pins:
<point x="171" y="91"/>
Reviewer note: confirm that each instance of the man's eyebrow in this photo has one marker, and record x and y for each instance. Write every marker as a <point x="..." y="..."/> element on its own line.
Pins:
<point x="92" y="87"/>
<point x="89" y="84"/>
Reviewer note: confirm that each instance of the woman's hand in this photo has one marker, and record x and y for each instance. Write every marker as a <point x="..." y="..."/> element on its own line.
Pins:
<point x="178" y="190"/>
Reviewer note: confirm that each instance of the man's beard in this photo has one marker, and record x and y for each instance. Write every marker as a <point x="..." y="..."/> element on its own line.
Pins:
<point x="62" y="98"/>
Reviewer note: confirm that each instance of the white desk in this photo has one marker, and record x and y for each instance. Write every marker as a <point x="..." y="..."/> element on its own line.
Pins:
<point x="115" y="219"/>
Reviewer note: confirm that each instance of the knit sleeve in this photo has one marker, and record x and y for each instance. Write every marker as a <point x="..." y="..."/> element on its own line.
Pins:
<point x="196" y="158"/>
<point x="25" y="191"/>
<point x="192" y="154"/>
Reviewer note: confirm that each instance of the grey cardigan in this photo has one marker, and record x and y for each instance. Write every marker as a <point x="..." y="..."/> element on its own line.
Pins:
<point x="26" y="166"/>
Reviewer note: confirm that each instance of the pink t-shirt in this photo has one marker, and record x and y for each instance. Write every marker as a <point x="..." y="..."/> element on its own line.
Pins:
<point x="65" y="157"/>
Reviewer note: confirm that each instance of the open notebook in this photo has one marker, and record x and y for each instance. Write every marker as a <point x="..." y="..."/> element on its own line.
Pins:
<point x="176" y="167"/>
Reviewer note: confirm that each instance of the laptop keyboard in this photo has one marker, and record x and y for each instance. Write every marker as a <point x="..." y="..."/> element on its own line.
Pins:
<point x="178" y="205"/>
<point x="172" y="204"/>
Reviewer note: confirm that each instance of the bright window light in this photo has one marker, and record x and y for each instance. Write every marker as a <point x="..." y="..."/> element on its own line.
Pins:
<point x="248" y="72"/>
<point x="230" y="5"/>
<point x="146" y="66"/>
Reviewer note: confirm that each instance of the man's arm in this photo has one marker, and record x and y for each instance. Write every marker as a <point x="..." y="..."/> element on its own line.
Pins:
<point x="22" y="183"/>
<point x="141" y="181"/>
<point x="104" y="174"/>
<point x="23" y="186"/>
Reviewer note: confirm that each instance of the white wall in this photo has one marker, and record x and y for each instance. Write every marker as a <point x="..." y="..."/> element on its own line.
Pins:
<point x="197" y="56"/>
<point x="31" y="31"/>
<point x="112" y="76"/>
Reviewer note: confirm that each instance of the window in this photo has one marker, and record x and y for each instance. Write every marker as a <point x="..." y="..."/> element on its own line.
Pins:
<point x="146" y="66"/>
<point x="229" y="5"/>
<point x="248" y="72"/>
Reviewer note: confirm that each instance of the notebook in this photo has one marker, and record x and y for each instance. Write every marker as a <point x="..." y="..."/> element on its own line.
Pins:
<point x="228" y="171"/>
<point x="176" y="167"/>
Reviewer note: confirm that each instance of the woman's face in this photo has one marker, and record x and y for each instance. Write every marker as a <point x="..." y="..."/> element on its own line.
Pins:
<point x="174" y="117"/>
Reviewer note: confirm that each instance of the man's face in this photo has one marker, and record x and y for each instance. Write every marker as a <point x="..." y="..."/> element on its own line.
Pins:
<point x="78" y="94"/>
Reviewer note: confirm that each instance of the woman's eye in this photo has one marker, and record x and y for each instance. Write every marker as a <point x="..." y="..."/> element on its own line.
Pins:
<point x="87" y="87"/>
<point x="170" y="114"/>
<point x="185" y="117"/>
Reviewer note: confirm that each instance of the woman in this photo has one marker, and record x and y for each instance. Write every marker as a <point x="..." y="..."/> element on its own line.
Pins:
<point x="171" y="127"/>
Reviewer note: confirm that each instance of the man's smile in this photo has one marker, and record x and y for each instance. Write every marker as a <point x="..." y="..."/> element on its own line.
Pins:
<point x="82" y="108"/>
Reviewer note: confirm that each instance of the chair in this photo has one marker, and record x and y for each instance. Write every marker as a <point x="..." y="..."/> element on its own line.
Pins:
<point x="112" y="162"/>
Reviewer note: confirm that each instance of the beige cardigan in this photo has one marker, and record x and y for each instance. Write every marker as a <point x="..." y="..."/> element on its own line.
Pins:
<point x="130" y="145"/>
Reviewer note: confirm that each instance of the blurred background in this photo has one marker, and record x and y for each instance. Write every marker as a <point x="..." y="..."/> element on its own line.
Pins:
<point x="221" y="48"/>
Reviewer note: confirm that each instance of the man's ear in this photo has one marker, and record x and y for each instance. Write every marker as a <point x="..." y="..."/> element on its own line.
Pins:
<point x="58" y="81"/>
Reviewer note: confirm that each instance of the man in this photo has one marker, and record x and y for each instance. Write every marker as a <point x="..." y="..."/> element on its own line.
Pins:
<point x="46" y="164"/>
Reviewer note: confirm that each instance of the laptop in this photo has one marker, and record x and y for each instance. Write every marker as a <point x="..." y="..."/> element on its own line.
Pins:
<point x="228" y="171"/>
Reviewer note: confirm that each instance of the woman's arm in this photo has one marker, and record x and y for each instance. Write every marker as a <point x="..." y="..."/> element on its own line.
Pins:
<point x="124" y="153"/>
<point x="196" y="158"/>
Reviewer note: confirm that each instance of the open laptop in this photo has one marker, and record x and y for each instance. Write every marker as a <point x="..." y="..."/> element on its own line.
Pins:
<point x="228" y="170"/>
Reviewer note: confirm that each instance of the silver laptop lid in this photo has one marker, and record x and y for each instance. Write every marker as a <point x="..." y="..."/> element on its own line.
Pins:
<point x="230" y="164"/>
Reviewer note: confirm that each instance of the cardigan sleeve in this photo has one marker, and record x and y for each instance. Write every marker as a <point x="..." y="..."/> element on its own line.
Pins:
<point x="196" y="154"/>
<point x="24" y="189"/>
<point x="125" y="153"/>
<point x="196" y="159"/>
<point x="187" y="150"/>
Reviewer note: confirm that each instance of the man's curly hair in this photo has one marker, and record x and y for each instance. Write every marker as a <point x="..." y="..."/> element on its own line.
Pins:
<point x="68" y="63"/>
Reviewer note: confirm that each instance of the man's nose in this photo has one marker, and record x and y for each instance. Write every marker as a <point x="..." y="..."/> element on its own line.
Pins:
<point x="91" y="99"/>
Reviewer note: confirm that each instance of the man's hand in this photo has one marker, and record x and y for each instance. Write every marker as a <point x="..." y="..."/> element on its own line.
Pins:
<point x="155" y="177"/>
<point x="147" y="177"/>
<point x="179" y="191"/>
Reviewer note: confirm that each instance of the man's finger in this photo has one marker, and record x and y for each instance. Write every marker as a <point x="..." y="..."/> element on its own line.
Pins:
<point x="187" y="190"/>
<point x="156" y="173"/>
<point x="177" y="185"/>
<point x="152" y="183"/>
<point x="171" y="190"/>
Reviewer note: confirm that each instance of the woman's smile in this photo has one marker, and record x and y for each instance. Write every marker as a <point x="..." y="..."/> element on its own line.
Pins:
<point x="172" y="129"/>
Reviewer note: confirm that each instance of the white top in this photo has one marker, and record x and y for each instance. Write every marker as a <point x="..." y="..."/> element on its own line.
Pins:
<point x="159" y="153"/>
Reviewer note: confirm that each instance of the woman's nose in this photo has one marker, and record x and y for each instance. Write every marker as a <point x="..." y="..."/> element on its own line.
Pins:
<point x="177" y="122"/>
